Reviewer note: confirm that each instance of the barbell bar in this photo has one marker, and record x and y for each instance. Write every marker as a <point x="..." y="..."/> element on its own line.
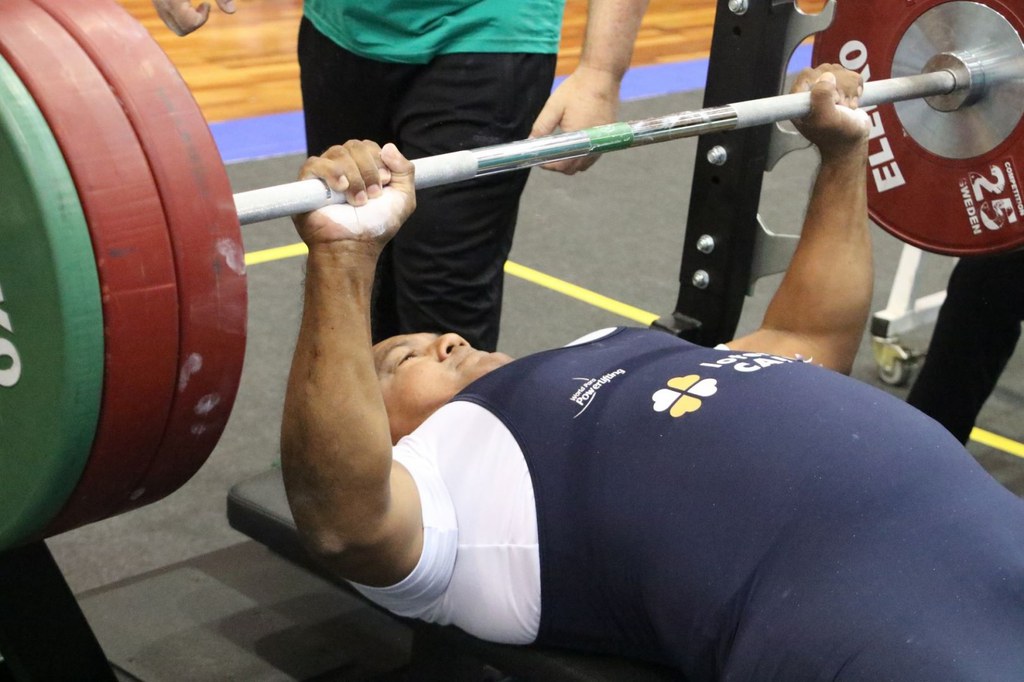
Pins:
<point x="260" y="205"/>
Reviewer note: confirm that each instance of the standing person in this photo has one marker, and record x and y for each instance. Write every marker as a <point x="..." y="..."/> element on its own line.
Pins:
<point x="734" y="513"/>
<point x="437" y="77"/>
<point x="975" y="335"/>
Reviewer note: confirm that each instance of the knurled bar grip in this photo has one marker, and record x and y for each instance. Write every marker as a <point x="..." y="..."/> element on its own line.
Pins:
<point x="798" y="105"/>
<point x="308" y="195"/>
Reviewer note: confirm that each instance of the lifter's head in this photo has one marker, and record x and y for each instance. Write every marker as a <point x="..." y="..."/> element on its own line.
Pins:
<point x="419" y="373"/>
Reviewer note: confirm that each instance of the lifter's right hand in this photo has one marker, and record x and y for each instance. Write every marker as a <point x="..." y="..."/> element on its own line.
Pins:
<point x="378" y="186"/>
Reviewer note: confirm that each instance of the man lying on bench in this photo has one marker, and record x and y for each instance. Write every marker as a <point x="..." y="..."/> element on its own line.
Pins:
<point x="736" y="513"/>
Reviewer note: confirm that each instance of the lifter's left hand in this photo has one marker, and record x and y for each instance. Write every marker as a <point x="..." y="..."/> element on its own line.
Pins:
<point x="835" y="125"/>
<point x="378" y="187"/>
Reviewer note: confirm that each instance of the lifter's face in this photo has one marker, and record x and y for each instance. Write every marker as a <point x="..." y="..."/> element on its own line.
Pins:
<point x="419" y="373"/>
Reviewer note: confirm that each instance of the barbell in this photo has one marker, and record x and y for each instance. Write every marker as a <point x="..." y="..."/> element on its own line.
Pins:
<point x="298" y="197"/>
<point x="122" y="280"/>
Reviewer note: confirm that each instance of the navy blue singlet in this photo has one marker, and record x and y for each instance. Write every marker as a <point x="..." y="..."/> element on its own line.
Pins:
<point x="746" y="517"/>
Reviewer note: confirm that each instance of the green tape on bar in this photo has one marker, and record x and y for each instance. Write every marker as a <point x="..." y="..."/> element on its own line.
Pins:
<point x="611" y="137"/>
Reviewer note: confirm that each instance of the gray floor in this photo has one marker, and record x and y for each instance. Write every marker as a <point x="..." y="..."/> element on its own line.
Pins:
<point x="173" y="593"/>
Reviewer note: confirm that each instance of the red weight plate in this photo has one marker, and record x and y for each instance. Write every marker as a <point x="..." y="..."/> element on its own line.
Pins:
<point x="205" y="234"/>
<point x="133" y="254"/>
<point x="951" y="206"/>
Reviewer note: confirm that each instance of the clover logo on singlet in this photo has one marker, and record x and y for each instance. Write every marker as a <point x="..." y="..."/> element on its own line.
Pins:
<point x="684" y="395"/>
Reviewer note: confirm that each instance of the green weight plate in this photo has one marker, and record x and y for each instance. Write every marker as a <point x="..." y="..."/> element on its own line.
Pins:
<point x="51" y="322"/>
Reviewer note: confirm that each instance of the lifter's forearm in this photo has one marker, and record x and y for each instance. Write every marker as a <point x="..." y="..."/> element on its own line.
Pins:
<point x="826" y="292"/>
<point x="335" y="440"/>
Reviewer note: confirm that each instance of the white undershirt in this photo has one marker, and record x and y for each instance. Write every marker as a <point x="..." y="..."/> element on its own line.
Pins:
<point x="480" y="566"/>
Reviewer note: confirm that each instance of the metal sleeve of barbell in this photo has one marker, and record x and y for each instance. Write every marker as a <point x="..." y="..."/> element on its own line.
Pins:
<point x="910" y="87"/>
<point x="797" y="105"/>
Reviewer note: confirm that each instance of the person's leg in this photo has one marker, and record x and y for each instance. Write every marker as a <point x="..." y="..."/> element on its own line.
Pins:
<point x="448" y="258"/>
<point x="976" y="332"/>
<point x="345" y="97"/>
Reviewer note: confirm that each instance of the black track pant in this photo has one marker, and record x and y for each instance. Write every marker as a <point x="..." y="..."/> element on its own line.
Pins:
<point x="975" y="335"/>
<point x="444" y="270"/>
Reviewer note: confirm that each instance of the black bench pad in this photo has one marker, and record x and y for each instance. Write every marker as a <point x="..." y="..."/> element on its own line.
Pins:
<point x="258" y="508"/>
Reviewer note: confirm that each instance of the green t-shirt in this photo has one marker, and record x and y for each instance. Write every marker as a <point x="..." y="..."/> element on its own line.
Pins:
<point x="416" y="31"/>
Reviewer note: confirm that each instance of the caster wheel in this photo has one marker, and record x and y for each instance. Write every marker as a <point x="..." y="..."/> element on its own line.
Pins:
<point x="895" y="374"/>
<point x="896" y="364"/>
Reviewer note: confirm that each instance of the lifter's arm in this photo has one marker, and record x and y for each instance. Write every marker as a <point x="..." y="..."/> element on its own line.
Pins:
<point x="821" y="306"/>
<point x="353" y="506"/>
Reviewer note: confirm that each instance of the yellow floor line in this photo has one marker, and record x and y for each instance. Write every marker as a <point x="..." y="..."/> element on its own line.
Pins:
<point x="595" y="299"/>
<point x="997" y="442"/>
<point x="516" y="270"/>
<point x="586" y="295"/>
<point x="279" y="253"/>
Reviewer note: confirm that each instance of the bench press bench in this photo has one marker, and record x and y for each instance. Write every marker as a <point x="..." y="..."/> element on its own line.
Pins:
<point x="258" y="508"/>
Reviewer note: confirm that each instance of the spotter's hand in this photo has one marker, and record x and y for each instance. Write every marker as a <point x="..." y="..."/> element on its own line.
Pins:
<point x="378" y="186"/>
<point x="835" y="124"/>
<point x="182" y="18"/>
<point x="587" y="98"/>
